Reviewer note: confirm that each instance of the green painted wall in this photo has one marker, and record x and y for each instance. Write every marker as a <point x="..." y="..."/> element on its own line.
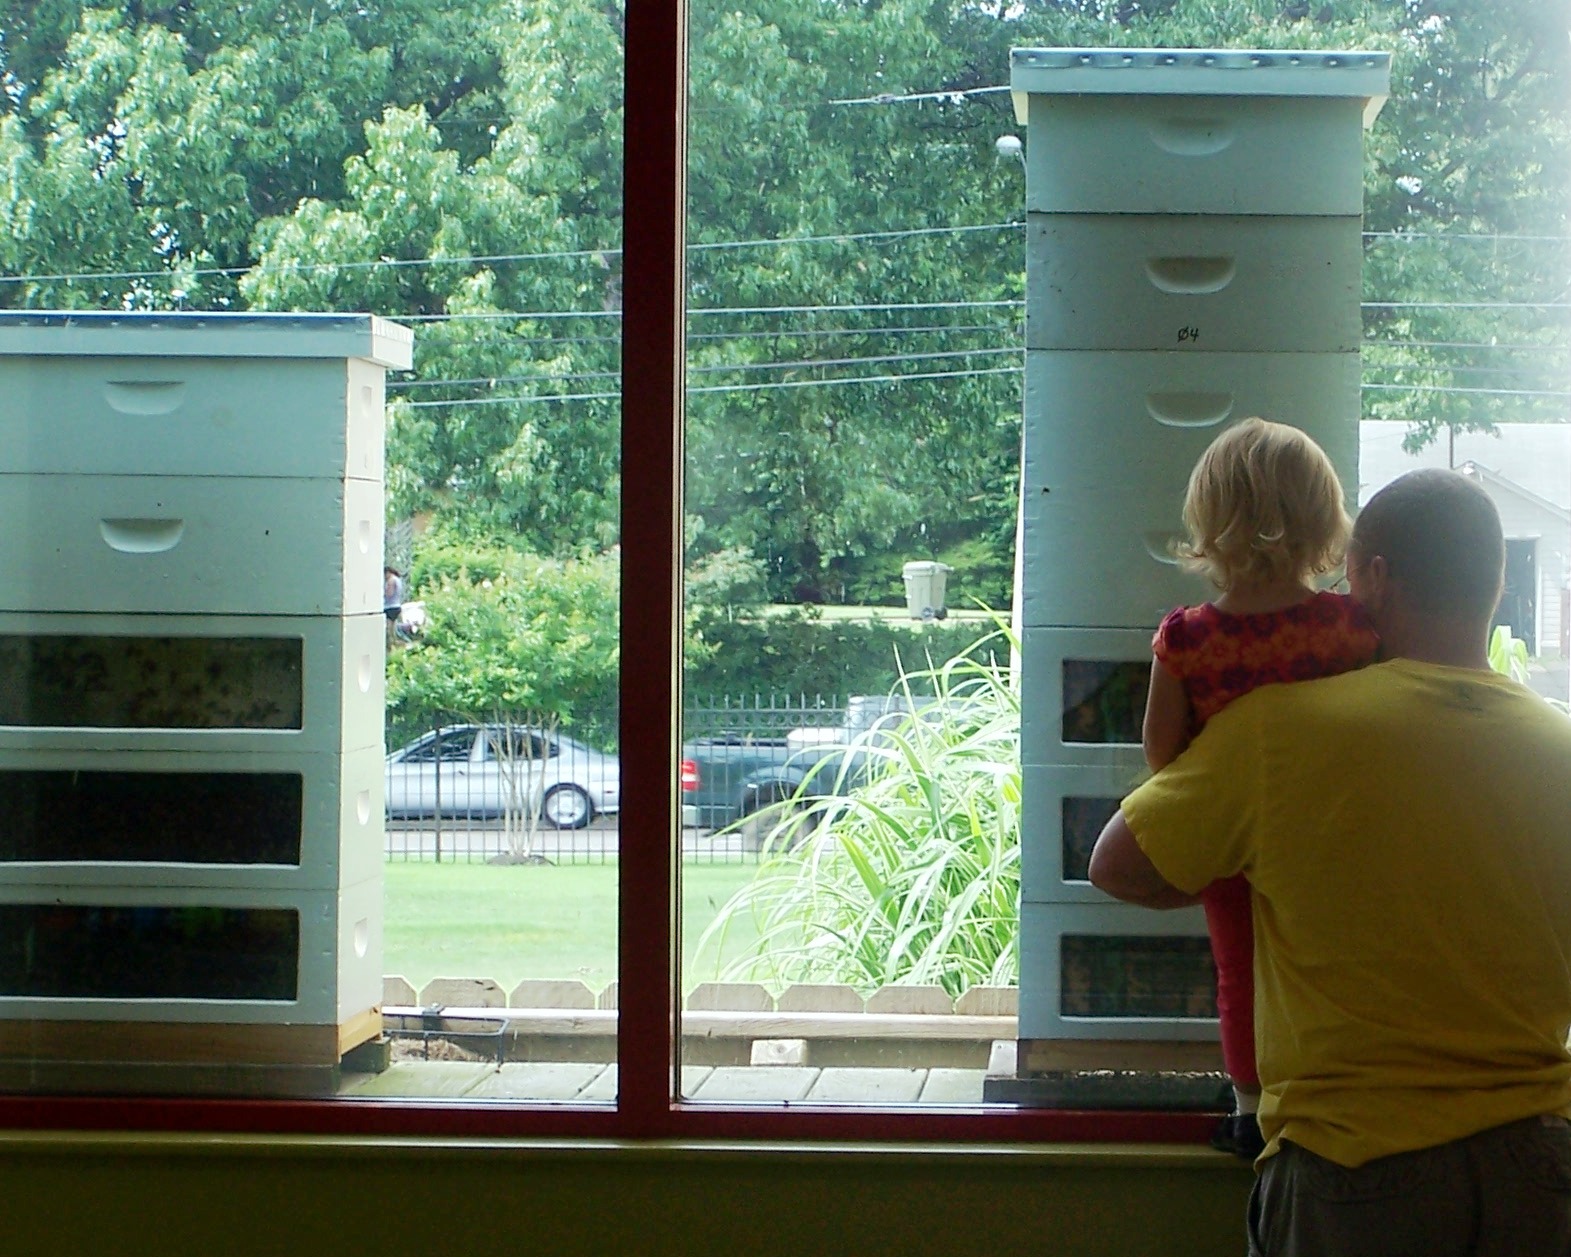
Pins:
<point x="173" y="1196"/>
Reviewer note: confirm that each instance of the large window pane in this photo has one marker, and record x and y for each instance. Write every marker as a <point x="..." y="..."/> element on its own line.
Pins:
<point x="858" y="231"/>
<point x="309" y="725"/>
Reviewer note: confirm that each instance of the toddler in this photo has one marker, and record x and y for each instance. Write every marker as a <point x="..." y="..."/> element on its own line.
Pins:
<point x="1265" y="517"/>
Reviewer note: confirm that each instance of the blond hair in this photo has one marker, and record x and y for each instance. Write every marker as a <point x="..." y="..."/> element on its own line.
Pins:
<point x="1263" y="505"/>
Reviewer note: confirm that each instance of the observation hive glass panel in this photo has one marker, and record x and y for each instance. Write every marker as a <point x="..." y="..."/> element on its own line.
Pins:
<point x="1106" y="975"/>
<point x="190" y="818"/>
<point x="1104" y="700"/>
<point x="90" y="951"/>
<point x="151" y="682"/>
<point x="1083" y="819"/>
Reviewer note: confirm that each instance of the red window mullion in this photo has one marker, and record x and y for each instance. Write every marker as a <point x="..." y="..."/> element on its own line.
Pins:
<point x="653" y="365"/>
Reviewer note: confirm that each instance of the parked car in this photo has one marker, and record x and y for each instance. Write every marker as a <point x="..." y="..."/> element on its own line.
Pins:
<point x="731" y="775"/>
<point x="760" y="782"/>
<point x="474" y="770"/>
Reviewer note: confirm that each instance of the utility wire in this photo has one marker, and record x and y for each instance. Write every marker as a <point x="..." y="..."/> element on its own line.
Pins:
<point x="720" y="367"/>
<point x="937" y="375"/>
<point x="1447" y="388"/>
<point x="732" y="388"/>
<point x="801" y="364"/>
<point x="893" y="98"/>
<point x="277" y="268"/>
<point x="882" y="307"/>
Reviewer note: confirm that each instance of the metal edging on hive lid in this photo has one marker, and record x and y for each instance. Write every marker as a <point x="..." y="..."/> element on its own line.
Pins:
<point x="1199" y="72"/>
<point x="201" y="334"/>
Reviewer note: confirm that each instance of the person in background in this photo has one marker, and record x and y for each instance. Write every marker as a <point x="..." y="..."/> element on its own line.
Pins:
<point x="1265" y="517"/>
<point x="1406" y="832"/>
<point x="392" y="597"/>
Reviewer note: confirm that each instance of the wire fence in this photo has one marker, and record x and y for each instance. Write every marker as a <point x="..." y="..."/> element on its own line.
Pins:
<point x="509" y="791"/>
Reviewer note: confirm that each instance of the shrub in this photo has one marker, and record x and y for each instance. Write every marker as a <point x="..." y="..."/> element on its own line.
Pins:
<point x="913" y="876"/>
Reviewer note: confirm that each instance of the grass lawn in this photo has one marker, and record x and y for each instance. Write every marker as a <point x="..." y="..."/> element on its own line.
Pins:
<point x="511" y="922"/>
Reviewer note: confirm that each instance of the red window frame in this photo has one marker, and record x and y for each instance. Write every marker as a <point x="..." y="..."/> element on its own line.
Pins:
<point x="649" y="1105"/>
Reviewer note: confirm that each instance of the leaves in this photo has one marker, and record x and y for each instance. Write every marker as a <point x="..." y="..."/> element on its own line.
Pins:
<point x="458" y="164"/>
<point x="914" y="875"/>
<point x="509" y="631"/>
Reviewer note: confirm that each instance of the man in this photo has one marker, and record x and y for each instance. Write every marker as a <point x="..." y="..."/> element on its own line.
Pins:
<point x="1406" y="832"/>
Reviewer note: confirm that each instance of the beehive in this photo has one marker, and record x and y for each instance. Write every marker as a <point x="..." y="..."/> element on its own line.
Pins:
<point x="1193" y="254"/>
<point x="191" y="698"/>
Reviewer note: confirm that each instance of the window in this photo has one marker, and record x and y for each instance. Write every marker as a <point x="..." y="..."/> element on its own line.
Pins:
<point x="889" y="507"/>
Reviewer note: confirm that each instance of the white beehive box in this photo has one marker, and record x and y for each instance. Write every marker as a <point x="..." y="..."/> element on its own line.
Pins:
<point x="190" y="416"/>
<point x="1105" y="414"/>
<point x="1193" y="258"/>
<point x="1110" y="971"/>
<point x="1179" y="131"/>
<point x="284" y="820"/>
<point x="193" y="644"/>
<point x="1198" y="283"/>
<point x="130" y="682"/>
<point x="191" y="545"/>
<point x="214" y="969"/>
<point x="1070" y="804"/>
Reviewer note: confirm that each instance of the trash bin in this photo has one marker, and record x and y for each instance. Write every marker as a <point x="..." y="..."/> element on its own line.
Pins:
<point x="925" y="589"/>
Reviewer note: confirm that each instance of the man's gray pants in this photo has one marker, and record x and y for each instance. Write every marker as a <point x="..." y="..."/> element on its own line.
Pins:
<point x="1504" y="1192"/>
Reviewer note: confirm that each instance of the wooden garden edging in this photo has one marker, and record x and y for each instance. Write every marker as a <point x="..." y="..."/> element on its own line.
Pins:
<point x="725" y="1022"/>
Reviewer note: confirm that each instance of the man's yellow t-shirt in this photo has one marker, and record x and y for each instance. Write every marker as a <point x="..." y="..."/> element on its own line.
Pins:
<point x="1406" y="830"/>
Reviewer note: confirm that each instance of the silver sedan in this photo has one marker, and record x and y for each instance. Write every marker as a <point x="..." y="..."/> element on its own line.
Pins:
<point x="489" y="770"/>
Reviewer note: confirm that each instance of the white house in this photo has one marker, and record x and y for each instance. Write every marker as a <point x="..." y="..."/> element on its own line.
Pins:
<point x="1526" y="467"/>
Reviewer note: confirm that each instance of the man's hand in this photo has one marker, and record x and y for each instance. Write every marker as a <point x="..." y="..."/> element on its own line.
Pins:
<point x="1122" y="869"/>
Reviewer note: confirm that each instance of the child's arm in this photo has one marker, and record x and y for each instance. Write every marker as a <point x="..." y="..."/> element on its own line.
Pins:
<point x="1166" y="729"/>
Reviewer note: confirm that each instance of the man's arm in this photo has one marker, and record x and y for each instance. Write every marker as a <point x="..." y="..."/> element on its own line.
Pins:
<point x="1124" y="871"/>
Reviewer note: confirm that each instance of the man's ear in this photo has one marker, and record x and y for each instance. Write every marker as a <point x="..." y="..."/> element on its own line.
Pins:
<point x="1377" y="584"/>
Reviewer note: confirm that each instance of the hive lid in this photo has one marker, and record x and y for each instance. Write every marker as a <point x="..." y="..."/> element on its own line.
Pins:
<point x="190" y="334"/>
<point x="1199" y="72"/>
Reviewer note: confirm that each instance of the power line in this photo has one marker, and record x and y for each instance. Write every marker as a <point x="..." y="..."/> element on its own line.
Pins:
<point x="842" y="237"/>
<point x="882" y="307"/>
<point x="1465" y="305"/>
<point x="724" y="367"/>
<point x="782" y="334"/>
<point x="1464" y="344"/>
<point x="1418" y="364"/>
<point x="296" y="268"/>
<point x="1449" y="388"/>
<point x="1413" y="237"/>
<point x="603" y="254"/>
<point x="804" y="363"/>
<point x="896" y="98"/>
<point x="730" y="388"/>
<point x="935" y="329"/>
<point x="705" y="311"/>
<point x="932" y="375"/>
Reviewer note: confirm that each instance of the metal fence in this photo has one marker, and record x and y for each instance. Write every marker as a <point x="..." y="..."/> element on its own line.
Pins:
<point x="509" y="792"/>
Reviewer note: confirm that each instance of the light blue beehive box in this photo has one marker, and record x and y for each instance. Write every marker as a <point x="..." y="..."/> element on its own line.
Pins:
<point x="1194" y="241"/>
<point x="195" y="479"/>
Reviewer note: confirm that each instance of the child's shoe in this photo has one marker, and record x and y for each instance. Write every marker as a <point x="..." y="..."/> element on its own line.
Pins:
<point x="1239" y="1133"/>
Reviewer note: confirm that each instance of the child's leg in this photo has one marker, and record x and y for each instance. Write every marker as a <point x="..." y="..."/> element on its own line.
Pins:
<point x="1230" y="919"/>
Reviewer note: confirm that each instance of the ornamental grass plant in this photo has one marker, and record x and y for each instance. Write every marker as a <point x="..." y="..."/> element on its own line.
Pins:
<point x="909" y="871"/>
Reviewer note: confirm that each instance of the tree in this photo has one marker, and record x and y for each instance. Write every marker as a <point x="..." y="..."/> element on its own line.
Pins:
<point x="458" y="165"/>
<point x="510" y="632"/>
<point x="523" y="645"/>
<point x="146" y="142"/>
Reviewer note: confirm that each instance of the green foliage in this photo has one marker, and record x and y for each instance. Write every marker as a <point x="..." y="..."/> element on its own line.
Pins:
<point x="799" y="651"/>
<point x="155" y="138"/>
<point x="915" y="877"/>
<point x="1508" y="654"/>
<point x="457" y="163"/>
<point x="509" y="632"/>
